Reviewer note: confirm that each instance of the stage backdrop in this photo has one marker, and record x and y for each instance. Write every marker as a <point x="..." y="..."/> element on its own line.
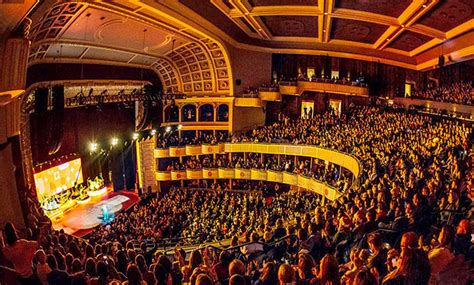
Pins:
<point x="58" y="178"/>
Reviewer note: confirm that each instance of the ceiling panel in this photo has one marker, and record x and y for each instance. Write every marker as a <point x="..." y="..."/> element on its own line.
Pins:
<point x="448" y="14"/>
<point x="409" y="41"/>
<point x="393" y="8"/>
<point x="210" y="12"/>
<point x="292" y="26"/>
<point x="143" y="60"/>
<point x="102" y="27"/>
<point x="107" y="54"/>
<point x="357" y="31"/>
<point x="68" y="51"/>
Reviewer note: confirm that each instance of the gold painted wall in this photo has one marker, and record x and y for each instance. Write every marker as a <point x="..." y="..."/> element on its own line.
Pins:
<point x="251" y="67"/>
<point x="246" y="118"/>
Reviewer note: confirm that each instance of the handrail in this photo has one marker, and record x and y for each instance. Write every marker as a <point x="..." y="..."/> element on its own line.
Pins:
<point x="266" y="245"/>
<point x="8" y="269"/>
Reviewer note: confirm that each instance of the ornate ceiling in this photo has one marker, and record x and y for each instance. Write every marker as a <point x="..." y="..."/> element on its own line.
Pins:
<point x="401" y="32"/>
<point x="186" y="41"/>
<point x="123" y="33"/>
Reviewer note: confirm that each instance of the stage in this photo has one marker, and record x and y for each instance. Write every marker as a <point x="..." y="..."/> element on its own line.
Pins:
<point x="81" y="219"/>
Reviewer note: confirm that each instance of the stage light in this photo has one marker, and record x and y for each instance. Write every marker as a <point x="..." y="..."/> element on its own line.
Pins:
<point x="180" y="127"/>
<point x="114" y="141"/>
<point x="168" y="129"/>
<point x="153" y="132"/>
<point x="93" y="147"/>
<point x="135" y="136"/>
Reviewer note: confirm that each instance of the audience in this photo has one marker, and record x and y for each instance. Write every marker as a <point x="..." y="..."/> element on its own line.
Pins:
<point x="459" y="93"/>
<point x="405" y="220"/>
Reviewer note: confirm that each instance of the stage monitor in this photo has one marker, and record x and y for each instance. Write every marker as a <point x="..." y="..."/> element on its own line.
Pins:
<point x="58" y="178"/>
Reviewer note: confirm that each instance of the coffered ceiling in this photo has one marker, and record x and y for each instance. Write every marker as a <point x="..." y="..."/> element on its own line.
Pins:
<point x="125" y="33"/>
<point x="186" y="41"/>
<point x="401" y="32"/>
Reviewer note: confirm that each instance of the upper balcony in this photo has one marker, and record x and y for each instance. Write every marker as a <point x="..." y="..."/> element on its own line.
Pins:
<point x="333" y="86"/>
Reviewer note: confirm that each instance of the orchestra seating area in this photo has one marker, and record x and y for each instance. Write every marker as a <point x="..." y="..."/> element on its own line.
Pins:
<point x="405" y="217"/>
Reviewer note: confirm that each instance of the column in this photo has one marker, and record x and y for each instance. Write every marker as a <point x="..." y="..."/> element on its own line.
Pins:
<point x="14" y="194"/>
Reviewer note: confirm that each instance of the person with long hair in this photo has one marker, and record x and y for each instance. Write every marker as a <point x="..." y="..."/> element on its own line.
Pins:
<point x="269" y="274"/>
<point x="195" y="260"/>
<point x="328" y="271"/>
<point x="134" y="277"/>
<point x="306" y="265"/>
<point x="409" y="271"/>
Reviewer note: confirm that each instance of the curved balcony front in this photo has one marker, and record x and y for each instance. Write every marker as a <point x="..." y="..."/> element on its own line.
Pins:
<point x="177" y="151"/>
<point x="323" y="86"/>
<point x="162" y="152"/>
<point x="210" y="173"/>
<point x="301" y="181"/>
<point x="163" y="175"/>
<point x="335" y="157"/>
<point x="212" y="148"/>
<point x="193" y="149"/>
<point x="178" y="175"/>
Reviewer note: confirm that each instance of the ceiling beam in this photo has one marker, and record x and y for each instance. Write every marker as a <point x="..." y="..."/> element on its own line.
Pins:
<point x="245" y="8"/>
<point x="411" y="14"/>
<point x="285" y="11"/>
<point x="328" y="10"/>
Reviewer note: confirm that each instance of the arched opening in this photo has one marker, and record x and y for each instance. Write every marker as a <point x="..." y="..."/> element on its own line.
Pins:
<point x="206" y="113"/>
<point x="188" y="113"/>
<point x="223" y="113"/>
<point x="171" y="113"/>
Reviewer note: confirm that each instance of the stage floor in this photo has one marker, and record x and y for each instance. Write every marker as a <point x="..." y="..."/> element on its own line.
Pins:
<point x="81" y="220"/>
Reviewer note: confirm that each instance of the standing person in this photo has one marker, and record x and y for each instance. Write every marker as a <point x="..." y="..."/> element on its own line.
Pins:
<point x="20" y="253"/>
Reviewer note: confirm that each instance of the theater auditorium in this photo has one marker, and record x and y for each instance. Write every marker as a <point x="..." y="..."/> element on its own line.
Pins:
<point x="236" y="142"/>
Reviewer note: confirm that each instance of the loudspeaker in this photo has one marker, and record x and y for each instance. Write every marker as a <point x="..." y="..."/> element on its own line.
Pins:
<point x="41" y="100"/>
<point x="58" y="97"/>
<point x="441" y="60"/>
<point x="238" y="82"/>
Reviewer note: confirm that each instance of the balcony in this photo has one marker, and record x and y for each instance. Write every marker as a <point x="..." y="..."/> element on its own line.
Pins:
<point x="301" y="181"/>
<point x="325" y="86"/>
<point x="339" y="158"/>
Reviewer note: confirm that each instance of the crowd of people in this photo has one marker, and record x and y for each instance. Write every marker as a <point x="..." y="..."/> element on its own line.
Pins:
<point x="315" y="168"/>
<point x="167" y="139"/>
<point x="199" y="216"/>
<point x="405" y="221"/>
<point x="459" y="93"/>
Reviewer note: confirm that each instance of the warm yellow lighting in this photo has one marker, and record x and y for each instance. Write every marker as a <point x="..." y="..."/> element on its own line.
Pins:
<point x="93" y="147"/>
<point x="97" y="193"/>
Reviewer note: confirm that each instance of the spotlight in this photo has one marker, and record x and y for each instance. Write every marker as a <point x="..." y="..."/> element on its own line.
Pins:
<point x="153" y="132"/>
<point x="93" y="147"/>
<point x="168" y="129"/>
<point x="180" y="127"/>
<point x="135" y="136"/>
<point x="114" y="141"/>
